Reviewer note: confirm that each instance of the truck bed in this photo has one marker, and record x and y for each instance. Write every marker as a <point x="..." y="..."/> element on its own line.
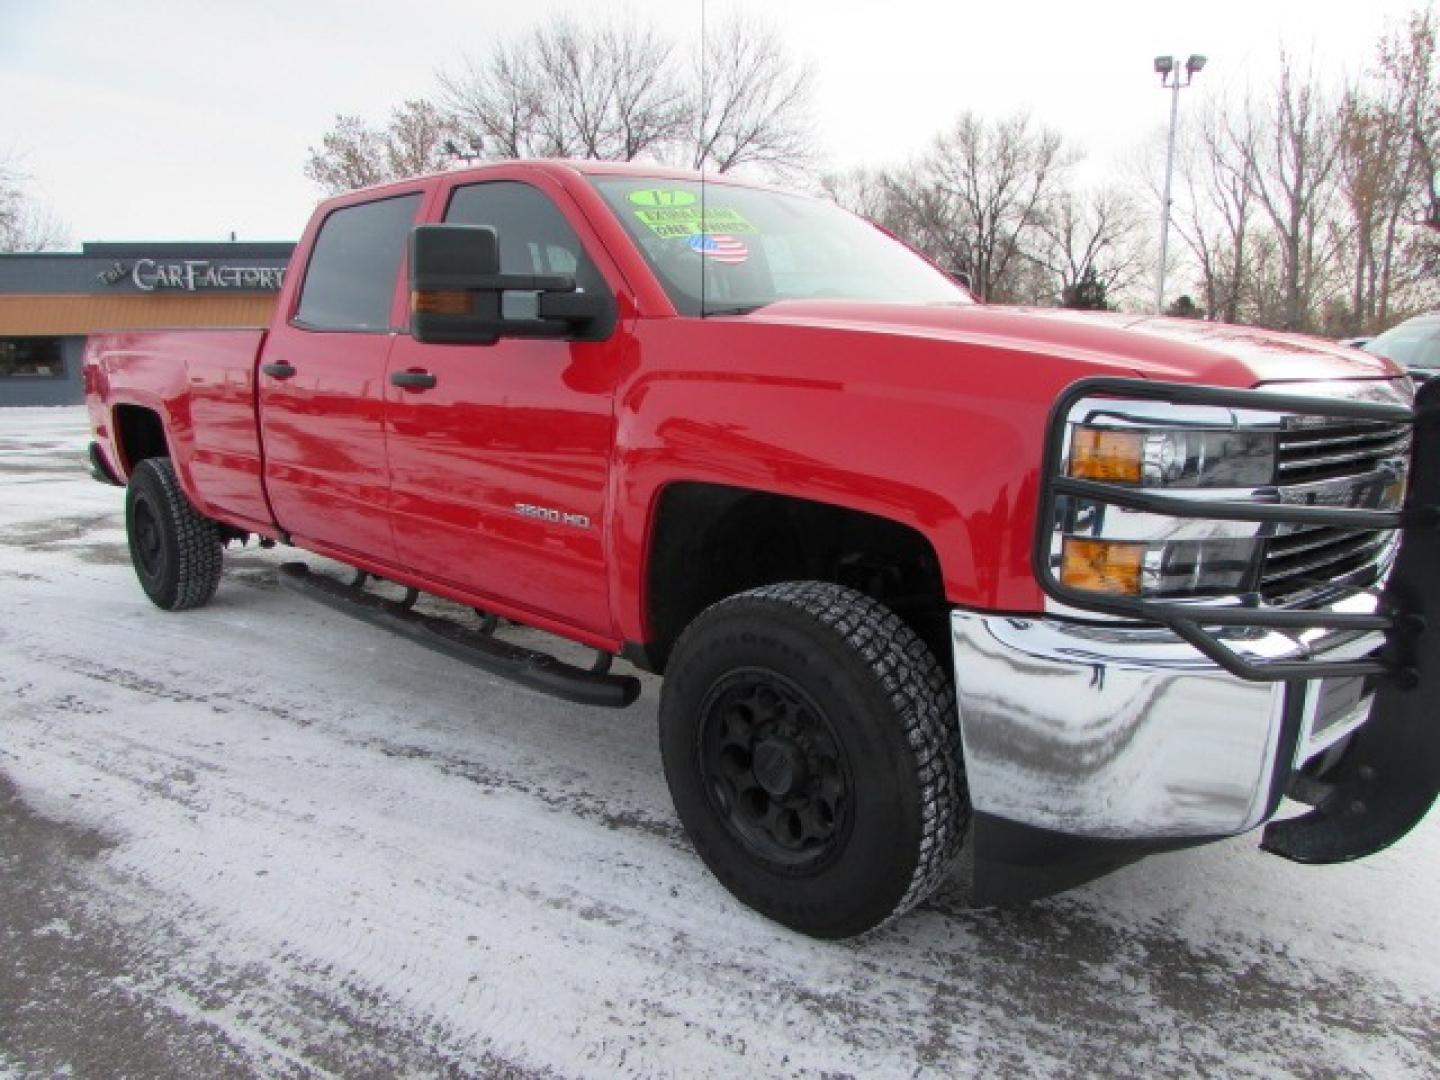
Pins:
<point x="202" y="384"/>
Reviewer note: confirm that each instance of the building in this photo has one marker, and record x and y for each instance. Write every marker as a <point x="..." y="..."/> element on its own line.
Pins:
<point x="50" y="301"/>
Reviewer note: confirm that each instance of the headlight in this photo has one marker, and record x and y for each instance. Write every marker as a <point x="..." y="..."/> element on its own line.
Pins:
<point x="1108" y="549"/>
<point x="1181" y="493"/>
<point x="1216" y="566"/>
<point x="1175" y="458"/>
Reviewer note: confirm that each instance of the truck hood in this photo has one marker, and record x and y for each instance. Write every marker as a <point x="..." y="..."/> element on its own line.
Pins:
<point x="1172" y="350"/>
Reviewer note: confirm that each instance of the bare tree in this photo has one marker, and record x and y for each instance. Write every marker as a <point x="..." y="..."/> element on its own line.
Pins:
<point x="25" y="224"/>
<point x="611" y="90"/>
<point x="861" y="191"/>
<point x="1408" y="64"/>
<point x="1214" y="212"/>
<point x="353" y="154"/>
<point x="1410" y="86"/>
<point x="977" y="204"/>
<point x="418" y="140"/>
<point x="608" y="90"/>
<point x="567" y="89"/>
<point x="751" y="102"/>
<point x="499" y="101"/>
<point x="1292" y="170"/>
<point x="1092" y="238"/>
<point x="928" y="217"/>
<point x="976" y="201"/>
<point x="649" y="106"/>
<point x="1299" y="210"/>
<point x="1376" y="166"/>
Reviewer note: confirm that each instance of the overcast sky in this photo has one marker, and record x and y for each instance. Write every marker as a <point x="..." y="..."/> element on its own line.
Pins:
<point x="151" y="120"/>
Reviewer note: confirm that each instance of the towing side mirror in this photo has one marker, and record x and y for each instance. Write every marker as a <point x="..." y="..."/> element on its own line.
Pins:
<point x="459" y="296"/>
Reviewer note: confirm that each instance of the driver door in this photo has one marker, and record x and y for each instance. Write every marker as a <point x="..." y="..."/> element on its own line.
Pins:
<point x="499" y="463"/>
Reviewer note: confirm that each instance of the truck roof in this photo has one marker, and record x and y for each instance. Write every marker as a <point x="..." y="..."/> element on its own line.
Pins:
<point x="584" y="167"/>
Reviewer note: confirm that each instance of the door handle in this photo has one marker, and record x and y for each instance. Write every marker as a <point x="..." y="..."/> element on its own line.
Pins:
<point x="412" y="380"/>
<point x="280" y="370"/>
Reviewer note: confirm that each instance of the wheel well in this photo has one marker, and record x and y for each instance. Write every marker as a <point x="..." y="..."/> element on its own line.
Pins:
<point x="711" y="541"/>
<point x="140" y="435"/>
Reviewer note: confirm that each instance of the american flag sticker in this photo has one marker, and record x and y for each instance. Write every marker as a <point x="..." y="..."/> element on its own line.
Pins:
<point x="720" y="247"/>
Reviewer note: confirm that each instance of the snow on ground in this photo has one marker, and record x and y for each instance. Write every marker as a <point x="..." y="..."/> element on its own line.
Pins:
<point x="284" y="843"/>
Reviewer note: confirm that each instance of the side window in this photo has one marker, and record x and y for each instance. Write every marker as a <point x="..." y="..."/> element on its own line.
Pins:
<point x="535" y="238"/>
<point x="351" y="277"/>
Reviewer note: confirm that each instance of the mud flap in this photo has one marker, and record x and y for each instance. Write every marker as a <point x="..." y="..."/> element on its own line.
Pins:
<point x="1390" y="774"/>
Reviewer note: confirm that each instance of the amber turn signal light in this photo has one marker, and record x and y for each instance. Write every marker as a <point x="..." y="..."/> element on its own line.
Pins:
<point x="440" y="302"/>
<point x="1102" y="566"/>
<point x="1098" y="454"/>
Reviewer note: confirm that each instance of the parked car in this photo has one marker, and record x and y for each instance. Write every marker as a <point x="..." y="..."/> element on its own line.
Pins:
<point x="917" y="571"/>
<point x="1414" y="344"/>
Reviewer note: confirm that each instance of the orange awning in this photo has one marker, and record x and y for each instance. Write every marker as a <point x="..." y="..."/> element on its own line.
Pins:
<point x="81" y="313"/>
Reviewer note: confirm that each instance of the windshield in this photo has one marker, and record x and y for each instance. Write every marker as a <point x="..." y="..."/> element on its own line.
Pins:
<point x="1413" y="344"/>
<point x="756" y="247"/>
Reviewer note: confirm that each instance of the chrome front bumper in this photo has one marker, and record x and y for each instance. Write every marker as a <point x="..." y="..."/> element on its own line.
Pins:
<point x="1115" y="732"/>
<point x="1114" y="727"/>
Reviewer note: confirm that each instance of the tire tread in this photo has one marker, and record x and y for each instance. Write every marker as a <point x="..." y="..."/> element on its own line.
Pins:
<point x="199" y="551"/>
<point x="921" y="696"/>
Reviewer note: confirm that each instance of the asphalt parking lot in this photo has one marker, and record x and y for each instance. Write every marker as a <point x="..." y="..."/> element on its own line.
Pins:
<point x="261" y="839"/>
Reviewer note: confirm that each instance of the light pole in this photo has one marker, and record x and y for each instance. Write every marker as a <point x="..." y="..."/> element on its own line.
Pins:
<point x="1170" y="79"/>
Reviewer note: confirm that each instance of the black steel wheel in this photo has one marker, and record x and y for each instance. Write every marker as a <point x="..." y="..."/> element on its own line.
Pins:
<point x="812" y="748"/>
<point x="175" y="550"/>
<point x="775" y="769"/>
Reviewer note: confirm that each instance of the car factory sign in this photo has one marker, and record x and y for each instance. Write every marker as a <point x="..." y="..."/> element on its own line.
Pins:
<point x="191" y="275"/>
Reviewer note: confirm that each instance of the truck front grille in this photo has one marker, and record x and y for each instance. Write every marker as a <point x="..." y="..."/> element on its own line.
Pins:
<point x="1351" y="461"/>
<point x="1332" y="451"/>
<point x="1317" y="555"/>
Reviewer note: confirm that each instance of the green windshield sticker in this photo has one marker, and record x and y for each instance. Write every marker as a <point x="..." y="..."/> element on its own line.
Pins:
<point x="671" y="222"/>
<point x="662" y="197"/>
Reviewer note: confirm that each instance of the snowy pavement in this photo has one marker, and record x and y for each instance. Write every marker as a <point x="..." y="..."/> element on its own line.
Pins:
<point x="265" y="839"/>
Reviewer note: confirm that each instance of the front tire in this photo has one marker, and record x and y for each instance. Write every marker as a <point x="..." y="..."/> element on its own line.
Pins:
<point x="811" y="744"/>
<point x="176" y="552"/>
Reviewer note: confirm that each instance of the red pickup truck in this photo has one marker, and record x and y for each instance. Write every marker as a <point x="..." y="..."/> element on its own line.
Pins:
<point x="917" y="571"/>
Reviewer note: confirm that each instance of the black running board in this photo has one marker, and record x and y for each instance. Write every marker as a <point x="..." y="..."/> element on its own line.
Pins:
<point x="539" y="671"/>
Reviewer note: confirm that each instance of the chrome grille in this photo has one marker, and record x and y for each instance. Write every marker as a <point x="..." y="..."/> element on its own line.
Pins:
<point x="1351" y="460"/>
<point x="1312" y="555"/>
<point x="1331" y="451"/>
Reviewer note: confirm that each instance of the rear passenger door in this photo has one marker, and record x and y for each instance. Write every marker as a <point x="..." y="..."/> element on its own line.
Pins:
<point x="322" y="382"/>
<point x="499" y="469"/>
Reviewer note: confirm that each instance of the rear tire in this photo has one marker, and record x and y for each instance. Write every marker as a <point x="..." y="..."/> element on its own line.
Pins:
<point x="812" y="748"/>
<point x="176" y="552"/>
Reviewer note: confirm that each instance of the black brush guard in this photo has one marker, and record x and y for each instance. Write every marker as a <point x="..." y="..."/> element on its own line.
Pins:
<point x="1389" y="774"/>
<point x="1388" y="778"/>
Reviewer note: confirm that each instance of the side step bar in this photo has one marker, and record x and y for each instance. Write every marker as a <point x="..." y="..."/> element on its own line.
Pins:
<point x="539" y="671"/>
